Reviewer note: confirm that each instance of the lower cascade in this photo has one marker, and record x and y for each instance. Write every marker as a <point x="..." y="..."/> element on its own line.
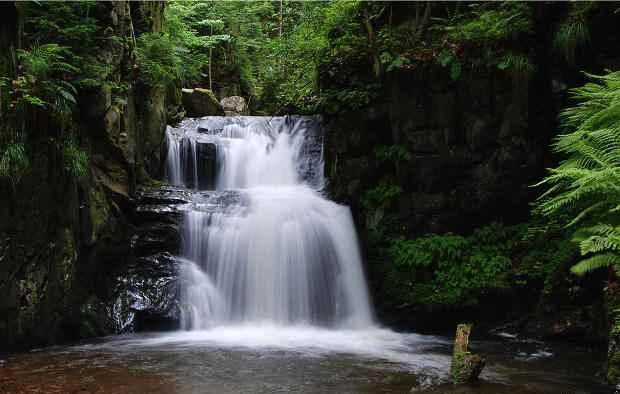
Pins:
<point x="261" y="244"/>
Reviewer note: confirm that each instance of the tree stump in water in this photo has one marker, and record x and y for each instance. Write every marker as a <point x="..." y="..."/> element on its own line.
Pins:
<point x="466" y="367"/>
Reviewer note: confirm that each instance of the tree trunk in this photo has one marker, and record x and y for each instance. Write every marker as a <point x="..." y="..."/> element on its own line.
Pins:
<point x="281" y="16"/>
<point x="466" y="367"/>
<point x="210" y="60"/>
<point x="210" y="77"/>
<point x="372" y="41"/>
<point x="461" y="341"/>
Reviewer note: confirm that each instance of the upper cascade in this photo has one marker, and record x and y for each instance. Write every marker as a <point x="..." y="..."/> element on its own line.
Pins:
<point x="224" y="153"/>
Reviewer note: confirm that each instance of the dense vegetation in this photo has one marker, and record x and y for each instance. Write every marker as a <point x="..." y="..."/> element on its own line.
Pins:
<point x="585" y="186"/>
<point x="334" y="57"/>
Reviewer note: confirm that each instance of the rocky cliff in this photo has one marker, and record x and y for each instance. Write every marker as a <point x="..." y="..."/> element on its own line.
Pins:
<point x="472" y="146"/>
<point x="64" y="241"/>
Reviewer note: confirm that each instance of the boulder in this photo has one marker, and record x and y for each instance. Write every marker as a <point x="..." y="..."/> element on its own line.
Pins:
<point x="201" y="102"/>
<point x="234" y="106"/>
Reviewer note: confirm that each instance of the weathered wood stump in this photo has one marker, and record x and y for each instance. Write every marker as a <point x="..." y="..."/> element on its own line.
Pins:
<point x="466" y="367"/>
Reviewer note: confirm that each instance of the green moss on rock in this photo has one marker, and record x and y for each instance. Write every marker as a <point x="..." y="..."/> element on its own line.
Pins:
<point x="98" y="210"/>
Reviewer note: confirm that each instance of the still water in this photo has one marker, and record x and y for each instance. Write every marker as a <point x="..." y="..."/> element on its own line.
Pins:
<point x="271" y="359"/>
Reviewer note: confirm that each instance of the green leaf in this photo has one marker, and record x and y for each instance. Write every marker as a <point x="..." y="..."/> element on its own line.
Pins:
<point x="455" y="70"/>
<point x="445" y="57"/>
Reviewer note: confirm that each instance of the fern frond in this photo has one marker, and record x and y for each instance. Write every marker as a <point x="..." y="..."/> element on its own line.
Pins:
<point x="596" y="262"/>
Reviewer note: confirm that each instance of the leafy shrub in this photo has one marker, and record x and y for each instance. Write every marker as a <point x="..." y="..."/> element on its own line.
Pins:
<point x="454" y="269"/>
<point x="162" y="61"/>
<point x="380" y="195"/>
<point x="450" y="269"/>
<point x="491" y="22"/>
<point x="392" y="153"/>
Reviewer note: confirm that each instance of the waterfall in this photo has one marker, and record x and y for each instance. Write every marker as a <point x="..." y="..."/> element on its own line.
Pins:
<point x="173" y="164"/>
<point x="260" y="243"/>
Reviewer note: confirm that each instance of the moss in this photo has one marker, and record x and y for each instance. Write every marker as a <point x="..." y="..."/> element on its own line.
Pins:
<point x="466" y="367"/>
<point x="68" y="257"/>
<point x="88" y="320"/>
<point x="99" y="211"/>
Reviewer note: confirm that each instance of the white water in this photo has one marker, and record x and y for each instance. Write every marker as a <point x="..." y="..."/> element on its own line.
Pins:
<point x="278" y="253"/>
<point x="173" y="164"/>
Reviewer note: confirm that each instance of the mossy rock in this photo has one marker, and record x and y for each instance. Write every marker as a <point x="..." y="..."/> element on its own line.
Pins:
<point x="201" y="102"/>
<point x="466" y="367"/>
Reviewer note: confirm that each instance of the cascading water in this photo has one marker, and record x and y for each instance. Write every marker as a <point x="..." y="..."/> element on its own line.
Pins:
<point x="265" y="246"/>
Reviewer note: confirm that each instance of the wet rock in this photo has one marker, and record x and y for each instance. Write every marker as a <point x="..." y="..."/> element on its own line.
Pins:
<point x="203" y="161"/>
<point x="158" y="215"/>
<point x="154" y="236"/>
<point x="234" y="106"/>
<point x="163" y="195"/>
<point x="201" y="102"/>
<point x="147" y="295"/>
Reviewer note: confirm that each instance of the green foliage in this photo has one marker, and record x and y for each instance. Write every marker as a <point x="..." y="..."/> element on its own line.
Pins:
<point x="585" y="184"/>
<point x="391" y="62"/>
<point x="294" y="82"/>
<point x="162" y="61"/>
<point x="452" y="269"/>
<point x="75" y="159"/>
<point x="72" y="26"/>
<point x="14" y="162"/>
<point x="486" y="23"/>
<point x="573" y="32"/>
<point x="515" y="62"/>
<point x="41" y="83"/>
<point x="392" y="153"/>
<point x="380" y="195"/>
<point x="38" y="82"/>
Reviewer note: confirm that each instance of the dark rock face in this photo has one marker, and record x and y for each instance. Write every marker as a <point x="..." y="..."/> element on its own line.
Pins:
<point x="473" y="150"/>
<point x="64" y="241"/>
<point x="201" y="102"/>
<point x="613" y="348"/>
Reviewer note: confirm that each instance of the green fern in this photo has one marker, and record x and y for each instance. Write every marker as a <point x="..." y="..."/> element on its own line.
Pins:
<point x="14" y="163"/>
<point x="75" y="158"/>
<point x="595" y="262"/>
<point x="573" y="32"/>
<point x="587" y="184"/>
